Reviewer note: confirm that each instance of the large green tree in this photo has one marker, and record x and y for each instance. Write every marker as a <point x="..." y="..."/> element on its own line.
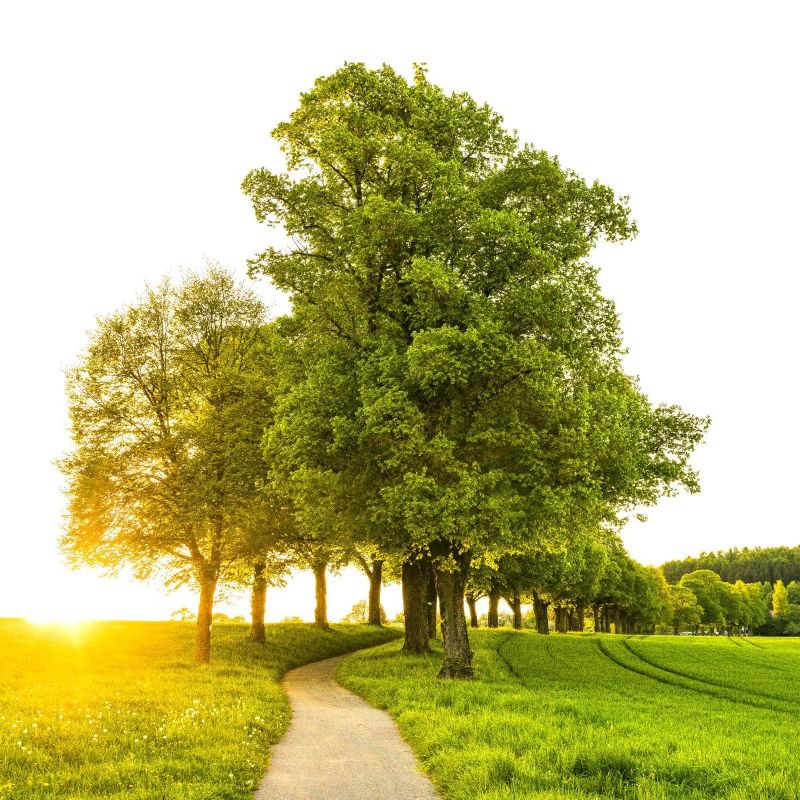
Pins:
<point x="457" y="389"/>
<point x="167" y="406"/>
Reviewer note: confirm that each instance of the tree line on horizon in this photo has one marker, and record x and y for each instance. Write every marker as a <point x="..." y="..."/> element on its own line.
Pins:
<point x="748" y="564"/>
<point x="445" y="404"/>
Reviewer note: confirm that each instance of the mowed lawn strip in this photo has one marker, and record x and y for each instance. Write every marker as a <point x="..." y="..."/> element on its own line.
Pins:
<point x="119" y="710"/>
<point x="559" y="717"/>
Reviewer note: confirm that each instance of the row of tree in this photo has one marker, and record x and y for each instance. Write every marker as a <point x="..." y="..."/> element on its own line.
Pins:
<point x="751" y="565"/>
<point x="618" y="595"/>
<point x="446" y="399"/>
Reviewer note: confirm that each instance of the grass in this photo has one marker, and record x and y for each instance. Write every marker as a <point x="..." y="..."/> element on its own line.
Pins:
<point x="583" y="716"/>
<point x="118" y="709"/>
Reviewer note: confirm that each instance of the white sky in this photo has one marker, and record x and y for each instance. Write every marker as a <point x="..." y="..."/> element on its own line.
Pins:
<point x="126" y="129"/>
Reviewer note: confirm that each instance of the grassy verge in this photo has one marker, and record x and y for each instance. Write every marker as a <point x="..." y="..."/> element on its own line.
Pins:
<point x="118" y="710"/>
<point x="657" y="718"/>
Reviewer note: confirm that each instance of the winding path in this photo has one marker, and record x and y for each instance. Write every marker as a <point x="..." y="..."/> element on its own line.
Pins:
<point x="338" y="747"/>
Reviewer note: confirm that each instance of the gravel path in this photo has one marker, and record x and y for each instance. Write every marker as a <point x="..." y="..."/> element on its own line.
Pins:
<point x="338" y="747"/>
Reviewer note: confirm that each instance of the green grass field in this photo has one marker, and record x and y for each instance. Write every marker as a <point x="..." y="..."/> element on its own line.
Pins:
<point x="583" y="716"/>
<point x="118" y="710"/>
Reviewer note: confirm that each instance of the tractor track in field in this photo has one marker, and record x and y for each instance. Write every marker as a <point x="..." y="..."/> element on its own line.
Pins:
<point x="708" y="692"/>
<point x="708" y="681"/>
<point x="506" y="639"/>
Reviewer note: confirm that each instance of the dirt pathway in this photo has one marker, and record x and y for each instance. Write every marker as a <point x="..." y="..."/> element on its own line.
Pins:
<point x="338" y="747"/>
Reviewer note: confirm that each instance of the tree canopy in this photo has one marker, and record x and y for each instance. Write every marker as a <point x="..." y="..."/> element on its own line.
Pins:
<point x="167" y="406"/>
<point x="456" y="388"/>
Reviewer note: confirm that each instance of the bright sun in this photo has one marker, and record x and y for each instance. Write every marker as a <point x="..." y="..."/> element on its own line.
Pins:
<point x="71" y="598"/>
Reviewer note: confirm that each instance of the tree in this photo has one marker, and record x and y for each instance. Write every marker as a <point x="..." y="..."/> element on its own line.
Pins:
<point x="709" y="590"/>
<point x="686" y="611"/>
<point x="167" y="460"/>
<point x="360" y="613"/>
<point x="780" y="599"/>
<point x="439" y="282"/>
<point x="372" y="567"/>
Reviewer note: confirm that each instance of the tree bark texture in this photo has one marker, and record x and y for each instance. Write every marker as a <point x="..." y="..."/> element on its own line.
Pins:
<point x="258" y="603"/>
<point x="457" y="652"/>
<point x="321" y="593"/>
<point x="202" y="650"/>
<point x="374" y="605"/>
<point x="415" y="600"/>
<point x="473" y="611"/>
<point x="432" y="600"/>
<point x="516" y="609"/>
<point x="540" y="611"/>
<point x="494" y="604"/>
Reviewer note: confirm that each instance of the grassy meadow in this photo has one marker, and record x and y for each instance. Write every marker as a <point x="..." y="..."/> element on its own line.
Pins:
<point x="119" y="710"/>
<point x="584" y="716"/>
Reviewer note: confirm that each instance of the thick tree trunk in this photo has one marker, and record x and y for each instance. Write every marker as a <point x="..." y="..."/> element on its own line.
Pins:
<point x="580" y="619"/>
<point x="258" y="603"/>
<point x="432" y="599"/>
<point x="516" y="609"/>
<point x="457" y="652"/>
<point x="493" y="618"/>
<point x="374" y="605"/>
<point x="415" y="596"/>
<point x="202" y="650"/>
<point x="571" y="621"/>
<point x="321" y="593"/>
<point x="540" y="612"/>
<point x="473" y="610"/>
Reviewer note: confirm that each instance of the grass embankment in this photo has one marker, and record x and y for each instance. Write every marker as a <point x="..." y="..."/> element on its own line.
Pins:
<point x="577" y="716"/>
<point x="118" y="709"/>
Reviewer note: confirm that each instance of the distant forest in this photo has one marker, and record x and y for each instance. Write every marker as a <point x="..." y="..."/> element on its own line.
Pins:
<point x="757" y="564"/>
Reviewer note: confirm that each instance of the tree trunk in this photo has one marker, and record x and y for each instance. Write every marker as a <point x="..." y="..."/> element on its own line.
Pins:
<point x="580" y="619"/>
<point x="432" y="598"/>
<point x="258" y="603"/>
<point x="516" y="608"/>
<point x="321" y="592"/>
<point x="415" y="596"/>
<point x="540" y="611"/>
<point x="494" y="602"/>
<point x="596" y="613"/>
<point x="473" y="611"/>
<point x="202" y="650"/>
<point x="457" y="652"/>
<point x="375" y="580"/>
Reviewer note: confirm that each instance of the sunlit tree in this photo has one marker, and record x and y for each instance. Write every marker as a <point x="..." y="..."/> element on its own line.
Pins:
<point x="780" y="599"/>
<point x="167" y="406"/>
